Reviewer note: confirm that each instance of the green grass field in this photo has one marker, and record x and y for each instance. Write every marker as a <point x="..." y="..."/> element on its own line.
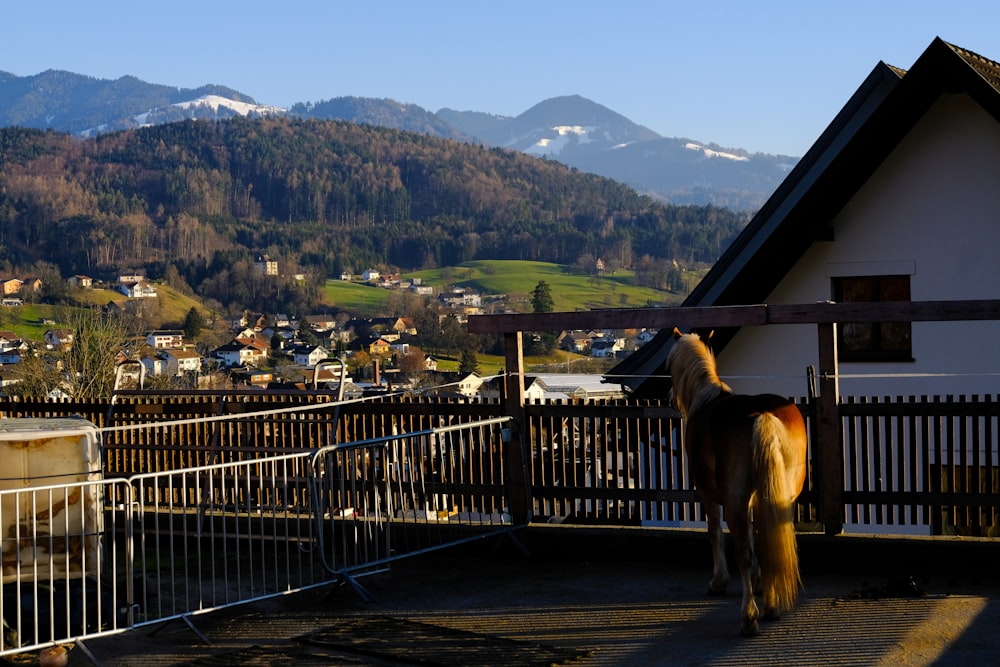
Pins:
<point x="517" y="279"/>
<point x="31" y="321"/>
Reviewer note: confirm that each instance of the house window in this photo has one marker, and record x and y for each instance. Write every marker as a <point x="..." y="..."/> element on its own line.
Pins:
<point x="873" y="341"/>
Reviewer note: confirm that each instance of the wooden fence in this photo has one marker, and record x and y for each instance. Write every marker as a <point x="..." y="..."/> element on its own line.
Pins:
<point x="909" y="465"/>
<point x="828" y="474"/>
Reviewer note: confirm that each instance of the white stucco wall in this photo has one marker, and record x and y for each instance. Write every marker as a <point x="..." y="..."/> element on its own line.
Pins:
<point x="932" y="211"/>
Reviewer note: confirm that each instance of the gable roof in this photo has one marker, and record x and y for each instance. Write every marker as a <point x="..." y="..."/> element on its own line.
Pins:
<point x="884" y="109"/>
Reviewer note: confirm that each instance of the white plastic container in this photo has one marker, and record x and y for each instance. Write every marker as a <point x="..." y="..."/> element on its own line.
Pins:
<point x="51" y="499"/>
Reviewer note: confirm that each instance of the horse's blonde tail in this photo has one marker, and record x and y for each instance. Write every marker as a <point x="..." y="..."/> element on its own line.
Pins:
<point x="776" y="548"/>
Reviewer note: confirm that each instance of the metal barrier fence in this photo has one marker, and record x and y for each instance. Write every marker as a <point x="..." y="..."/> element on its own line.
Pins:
<point x="57" y="581"/>
<point x="97" y="557"/>
<point x="399" y="495"/>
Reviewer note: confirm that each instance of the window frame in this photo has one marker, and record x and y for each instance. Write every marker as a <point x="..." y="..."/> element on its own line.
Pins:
<point x="879" y="288"/>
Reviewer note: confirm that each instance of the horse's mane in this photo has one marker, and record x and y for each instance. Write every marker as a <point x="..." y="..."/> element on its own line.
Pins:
<point x="691" y="365"/>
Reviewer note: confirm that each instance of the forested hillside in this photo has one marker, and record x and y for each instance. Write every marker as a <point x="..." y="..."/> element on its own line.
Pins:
<point x="195" y="202"/>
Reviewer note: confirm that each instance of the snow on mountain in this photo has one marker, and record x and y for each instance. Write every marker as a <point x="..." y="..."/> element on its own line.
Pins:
<point x="552" y="146"/>
<point x="216" y="102"/>
<point x="212" y="107"/>
<point x="708" y="152"/>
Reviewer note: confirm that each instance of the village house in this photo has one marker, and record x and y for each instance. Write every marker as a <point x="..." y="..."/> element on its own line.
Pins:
<point x="265" y="266"/>
<point x="31" y="284"/>
<point x="896" y="201"/>
<point x="468" y="385"/>
<point x="536" y="390"/>
<point x="320" y="323"/>
<point x="165" y="338"/>
<point x="251" y="377"/>
<point x="10" y="341"/>
<point x="181" y="361"/>
<point x="58" y="339"/>
<point x="80" y="282"/>
<point x="155" y="365"/>
<point x="576" y="341"/>
<point x="11" y="285"/>
<point x="11" y="356"/>
<point x="240" y="353"/>
<point x="606" y="347"/>
<point x="309" y="355"/>
<point x="389" y="282"/>
<point x="379" y="347"/>
<point x="138" y="290"/>
<point x="370" y="275"/>
<point x="383" y="325"/>
<point x="644" y="336"/>
<point x="459" y="385"/>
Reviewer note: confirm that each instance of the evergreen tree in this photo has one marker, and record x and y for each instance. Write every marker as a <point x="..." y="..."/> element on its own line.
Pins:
<point x="468" y="363"/>
<point x="193" y="323"/>
<point x="541" y="298"/>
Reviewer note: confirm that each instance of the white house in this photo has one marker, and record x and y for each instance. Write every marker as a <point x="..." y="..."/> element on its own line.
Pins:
<point x="180" y="361"/>
<point x="606" y="347"/>
<point x="370" y="275"/>
<point x="896" y="200"/>
<point x="239" y="353"/>
<point x="9" y="341"/>
<point x="309" y="355"/>
<point x="138" y="290"/>
<point x="165" y="338"/>
<point x="155" y="365"/>
<point x="469" y="385"/>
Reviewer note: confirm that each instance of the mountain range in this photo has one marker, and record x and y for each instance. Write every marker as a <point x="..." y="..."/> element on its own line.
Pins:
<point x="570" y="129"/>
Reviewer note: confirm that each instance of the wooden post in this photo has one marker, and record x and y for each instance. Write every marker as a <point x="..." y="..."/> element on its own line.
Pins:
<point x="829" y="448"/>
<point x="516" y="454"/>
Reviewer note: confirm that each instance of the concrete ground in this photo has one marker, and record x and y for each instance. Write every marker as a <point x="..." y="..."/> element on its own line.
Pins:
<point x="601" y="597"/>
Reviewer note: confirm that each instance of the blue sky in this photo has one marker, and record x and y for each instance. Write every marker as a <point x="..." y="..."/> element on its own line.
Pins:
<point x="764" y="76"/>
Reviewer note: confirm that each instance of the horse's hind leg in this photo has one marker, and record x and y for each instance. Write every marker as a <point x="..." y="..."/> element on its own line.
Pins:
<point x="720" y="569"/>
<point x="742" y="532"/>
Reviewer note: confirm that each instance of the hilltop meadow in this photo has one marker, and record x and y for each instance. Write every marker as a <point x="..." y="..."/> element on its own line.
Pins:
<point x="571" y="289"/>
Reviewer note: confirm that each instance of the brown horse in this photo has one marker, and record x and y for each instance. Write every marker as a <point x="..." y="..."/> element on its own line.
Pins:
<point x="747" y="454"/>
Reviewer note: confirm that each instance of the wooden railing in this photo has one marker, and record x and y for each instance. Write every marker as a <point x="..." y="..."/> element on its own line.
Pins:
<point x="926" y="464"/>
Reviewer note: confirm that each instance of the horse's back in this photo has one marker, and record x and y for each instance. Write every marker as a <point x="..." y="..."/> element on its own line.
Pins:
<point x="724" y="431"/>
<point x="735" y="408"/>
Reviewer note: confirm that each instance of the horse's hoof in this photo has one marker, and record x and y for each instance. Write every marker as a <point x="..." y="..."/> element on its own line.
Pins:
<point x="771" y="614"/>
<point x="749" y="628"/>
<point x="716" y="590"/>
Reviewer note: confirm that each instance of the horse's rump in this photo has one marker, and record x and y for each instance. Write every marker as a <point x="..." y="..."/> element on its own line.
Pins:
<point x="746" y="453"/>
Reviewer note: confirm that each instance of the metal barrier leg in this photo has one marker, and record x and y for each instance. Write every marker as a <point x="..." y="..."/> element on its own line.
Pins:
<point x="509" y="535"/>
<point x="83" y="647"/>
<point x="360" y="590"/>
<point x="187" y="621"/>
